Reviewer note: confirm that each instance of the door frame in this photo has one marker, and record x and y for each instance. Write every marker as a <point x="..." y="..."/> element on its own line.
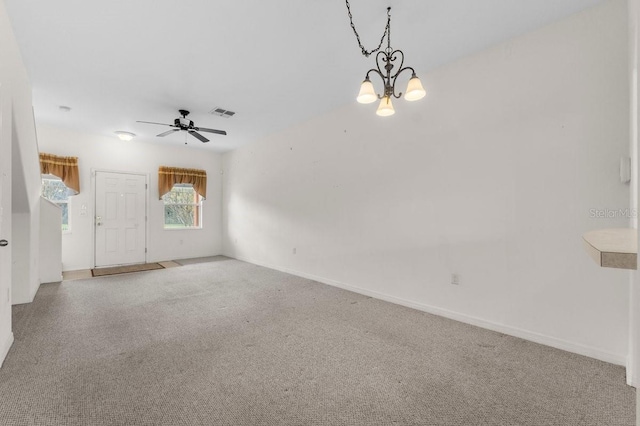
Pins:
<point x="6" y="283"/>
<point x="93" y="211"/>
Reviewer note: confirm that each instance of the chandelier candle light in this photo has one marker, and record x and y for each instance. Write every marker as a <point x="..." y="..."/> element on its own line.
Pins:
<point x="384" y="61"/>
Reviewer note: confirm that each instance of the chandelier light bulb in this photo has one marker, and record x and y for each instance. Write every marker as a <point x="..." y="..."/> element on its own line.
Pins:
<point x="385" y="108"/>
<point x="367" y="94"/>
<point x="415" y="90"/>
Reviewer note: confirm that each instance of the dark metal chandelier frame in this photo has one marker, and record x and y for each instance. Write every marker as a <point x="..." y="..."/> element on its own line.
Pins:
<point x="385" y="64"/>
<point x="385" y="59"/>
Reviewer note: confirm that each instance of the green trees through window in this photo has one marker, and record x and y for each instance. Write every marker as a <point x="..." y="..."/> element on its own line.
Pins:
<point x="182" y="208"/>
<point x="54" y="190"/>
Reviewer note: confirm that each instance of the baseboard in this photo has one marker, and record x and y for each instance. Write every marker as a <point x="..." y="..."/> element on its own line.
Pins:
<point x="184" y="257"/>
<point x="632" y="380"/>
<point x="5" y="348"/>
<point x="532" y="336"/>
<point x="15" y="300"/>
<point x="35" y="290"/>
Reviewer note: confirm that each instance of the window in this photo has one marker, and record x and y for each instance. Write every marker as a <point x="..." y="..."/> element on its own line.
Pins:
<point x="182" y="208"/>
<point x="54" y="190"/>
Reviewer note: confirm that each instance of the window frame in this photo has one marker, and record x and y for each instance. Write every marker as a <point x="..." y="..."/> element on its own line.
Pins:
<point x="198" y="208"/>
<point x="67" y="202"/>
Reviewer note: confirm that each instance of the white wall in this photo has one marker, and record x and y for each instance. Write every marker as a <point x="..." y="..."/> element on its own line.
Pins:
<point x="25" y="283"/>
<point x="50" y="242"/>
<point x="633" y="364"/>
<point x="112" y="154"/>
<point x="17" y="128"/>
<point x="26" y="221"/>
<point x="634" y="278"/>
<point x="492" y="177"/>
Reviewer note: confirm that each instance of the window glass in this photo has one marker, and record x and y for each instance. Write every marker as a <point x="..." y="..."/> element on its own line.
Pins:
<point x="182" y="208"/>
<point x="54" y="190"/>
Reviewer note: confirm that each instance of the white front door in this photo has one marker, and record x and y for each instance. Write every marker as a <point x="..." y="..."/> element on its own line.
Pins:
<point x="5" y="228"/>
<point x="6" y="244"/>
<point x="120" y="221"/>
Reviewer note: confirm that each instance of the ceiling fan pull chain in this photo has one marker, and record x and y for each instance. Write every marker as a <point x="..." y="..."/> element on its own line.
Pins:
<point x="366" y="52"/>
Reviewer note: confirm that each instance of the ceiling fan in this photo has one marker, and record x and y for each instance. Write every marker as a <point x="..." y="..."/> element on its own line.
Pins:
<point x="183" y="123"/>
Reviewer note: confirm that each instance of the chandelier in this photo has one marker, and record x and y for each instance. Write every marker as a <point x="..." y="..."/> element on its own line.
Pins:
<point x="385" y="60"/>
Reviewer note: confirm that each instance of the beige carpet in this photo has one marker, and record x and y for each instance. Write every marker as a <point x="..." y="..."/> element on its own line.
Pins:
<point x="100" y="272"/>
<point x="230" y="343"/>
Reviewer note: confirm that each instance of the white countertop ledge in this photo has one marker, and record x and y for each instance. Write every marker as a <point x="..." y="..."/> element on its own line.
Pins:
<point x="613" y="248"/>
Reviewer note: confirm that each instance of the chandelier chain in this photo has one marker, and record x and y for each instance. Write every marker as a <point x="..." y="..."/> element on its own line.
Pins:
<point x="386" y="33"/>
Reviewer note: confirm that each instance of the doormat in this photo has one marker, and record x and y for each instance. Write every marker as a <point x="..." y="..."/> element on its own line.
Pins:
<point x="99" y="272"/>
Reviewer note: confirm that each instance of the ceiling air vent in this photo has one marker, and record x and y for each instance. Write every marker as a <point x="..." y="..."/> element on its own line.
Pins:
<point x="222" y="112"/>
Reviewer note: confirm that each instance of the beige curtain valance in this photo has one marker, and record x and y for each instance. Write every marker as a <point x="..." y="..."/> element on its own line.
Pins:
<point x="169" y="176"/>
<point x="66" y="168"/>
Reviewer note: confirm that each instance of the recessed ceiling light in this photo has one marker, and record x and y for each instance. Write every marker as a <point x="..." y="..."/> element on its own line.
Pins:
<point x="64" y="108"/>
<point x="125" y="136"/>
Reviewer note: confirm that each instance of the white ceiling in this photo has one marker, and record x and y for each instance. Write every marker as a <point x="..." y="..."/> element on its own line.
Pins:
<point x="275" y="63"/>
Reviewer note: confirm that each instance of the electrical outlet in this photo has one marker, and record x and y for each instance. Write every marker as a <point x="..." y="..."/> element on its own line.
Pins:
<point x="455" y="279"/>
<point x="295" y="250"/>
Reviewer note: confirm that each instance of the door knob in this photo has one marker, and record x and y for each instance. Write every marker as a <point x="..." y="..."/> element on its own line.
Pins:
<point x="4" y="243"/>
<point x="98" y="220"/>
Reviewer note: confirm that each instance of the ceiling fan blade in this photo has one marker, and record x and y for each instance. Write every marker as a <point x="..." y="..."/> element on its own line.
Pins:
<point x="204" y="129"/>
<point x="168" y="132"/>
<point x="198" y="135"/>
<point x="151" y="122"/>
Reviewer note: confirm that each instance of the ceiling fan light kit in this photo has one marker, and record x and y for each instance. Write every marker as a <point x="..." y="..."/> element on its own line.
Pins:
<point x="384" y="69"/>
<point x="185" y="124"/>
